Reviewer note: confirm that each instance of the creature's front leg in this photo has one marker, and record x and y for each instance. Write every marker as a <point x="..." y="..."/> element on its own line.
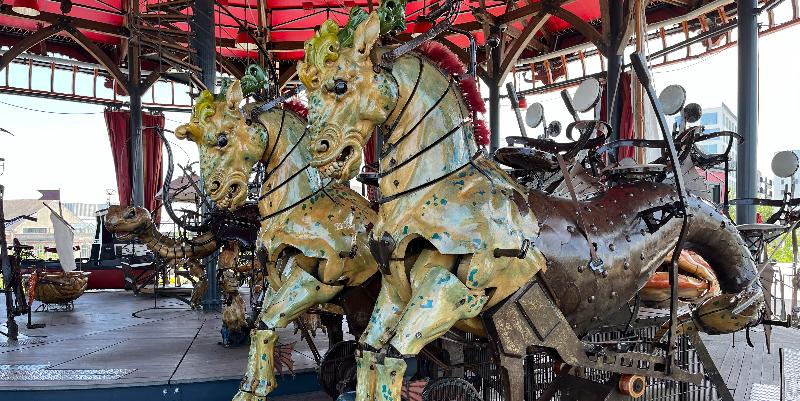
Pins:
<point x="438" y="300"/>
<point x="299" y="291"/>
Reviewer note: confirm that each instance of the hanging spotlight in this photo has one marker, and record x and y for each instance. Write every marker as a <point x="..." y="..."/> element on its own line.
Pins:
<point x="26" y="7"/>
<point x="244" y="41"/>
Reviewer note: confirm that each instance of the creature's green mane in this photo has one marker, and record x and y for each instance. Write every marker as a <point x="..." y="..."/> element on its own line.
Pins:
<point x="325" y="45"/>
<point x="253" y="81"/>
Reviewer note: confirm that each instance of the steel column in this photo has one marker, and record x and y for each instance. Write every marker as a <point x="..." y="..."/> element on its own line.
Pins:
<point x="494" y="96"/>
<point x="747" y="109"/>
<point x="202" y="25"/>
<point x="137" y="146"/>
<point x="615" y="64"/>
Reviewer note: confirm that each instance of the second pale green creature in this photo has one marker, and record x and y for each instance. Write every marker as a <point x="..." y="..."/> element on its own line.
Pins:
<point x="314" y="234"/>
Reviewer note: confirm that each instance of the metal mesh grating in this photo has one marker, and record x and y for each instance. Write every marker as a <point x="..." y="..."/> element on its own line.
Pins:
<point x="27" y="341"/>
<point x="484" y="375"/>
<point x="539" y="370"/>
<point x="42" y="373"/>
<point x="791" y="374"/>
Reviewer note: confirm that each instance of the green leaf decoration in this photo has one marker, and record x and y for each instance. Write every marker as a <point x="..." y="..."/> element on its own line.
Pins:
<point x="392" y="14"/>
<point x="254" y="80"/>
<point x="345" y="35"/>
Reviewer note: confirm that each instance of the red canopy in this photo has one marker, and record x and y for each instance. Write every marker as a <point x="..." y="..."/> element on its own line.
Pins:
<point x="289" y="22"/>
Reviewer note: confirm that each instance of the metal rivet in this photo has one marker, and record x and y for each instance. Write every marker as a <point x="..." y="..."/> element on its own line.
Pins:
<point x="570" y="229"/>
<point x="641" y="256"/>
<point x="613" y="294"/>
<point x="611" y="247"/>
<point x="396" y="183"/>
<point x="580" y="268"/>
<point x="626" y="265"/>
<point x="418" y="335"/>
<point x="591" y="299"/>
<point x="628" y="238"/>
<point x="605" y="273"/>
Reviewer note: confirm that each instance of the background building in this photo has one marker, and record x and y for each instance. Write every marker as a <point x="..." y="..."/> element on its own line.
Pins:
<point x="39" y="233"/>
<point x="716" y="119"/>
<point x="765" y="185"/>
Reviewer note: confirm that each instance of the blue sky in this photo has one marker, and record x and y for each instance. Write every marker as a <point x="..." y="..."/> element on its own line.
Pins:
<point x="72" y="151"/>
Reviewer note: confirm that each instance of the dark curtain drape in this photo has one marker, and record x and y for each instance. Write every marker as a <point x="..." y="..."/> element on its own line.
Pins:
<point x="626" y="118"/>
<point x="153" y="162"/>
<point x="118" y="123"/>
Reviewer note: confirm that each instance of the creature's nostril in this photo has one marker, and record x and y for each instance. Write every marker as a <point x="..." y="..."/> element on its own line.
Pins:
<point x="322" y="146"/>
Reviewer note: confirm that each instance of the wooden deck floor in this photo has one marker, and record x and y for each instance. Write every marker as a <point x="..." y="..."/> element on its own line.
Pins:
<point x="745" y="368"/>
<point x="101" y="344"/>
<point x="103" y="340"/>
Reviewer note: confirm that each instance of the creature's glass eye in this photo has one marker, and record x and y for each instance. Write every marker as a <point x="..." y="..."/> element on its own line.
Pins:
<point x="222" y="140"/>
<point x="131" y="214"/>
<point x="339" y="87"/>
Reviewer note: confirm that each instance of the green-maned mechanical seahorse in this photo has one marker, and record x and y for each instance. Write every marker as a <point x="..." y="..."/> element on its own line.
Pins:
<point x="314" y="234"/>
<point x="457" y="236"/>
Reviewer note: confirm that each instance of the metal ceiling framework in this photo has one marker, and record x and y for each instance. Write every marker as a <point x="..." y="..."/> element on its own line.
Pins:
<point x="537" y="38"/>
<point x="136" y="45"/>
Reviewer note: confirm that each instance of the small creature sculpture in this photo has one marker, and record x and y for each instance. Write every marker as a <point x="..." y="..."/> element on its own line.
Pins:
<point x="127" y="222"/>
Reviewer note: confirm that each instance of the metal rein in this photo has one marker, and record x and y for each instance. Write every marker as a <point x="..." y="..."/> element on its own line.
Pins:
<point x="254" y="115"/>
<point x="391" y="146"/>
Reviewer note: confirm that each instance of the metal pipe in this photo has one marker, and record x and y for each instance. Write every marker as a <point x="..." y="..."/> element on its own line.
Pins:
<point x="515" y="105"/>
<point x="494" y="101"/>
<point x="137" y="144"/>
<point x="747" y="109"/>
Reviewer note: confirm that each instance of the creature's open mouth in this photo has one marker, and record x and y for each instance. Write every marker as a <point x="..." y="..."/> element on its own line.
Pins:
<point x="123" y="236"/>
<point x="696" y="281"/>
<point x="344" y="166"/>
<point x="231" y="194"/>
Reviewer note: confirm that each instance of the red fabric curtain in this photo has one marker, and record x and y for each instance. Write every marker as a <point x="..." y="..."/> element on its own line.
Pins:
<point x="118" y="123"/>
<point x="626" y="118"/>
<point x="153" y="162"/>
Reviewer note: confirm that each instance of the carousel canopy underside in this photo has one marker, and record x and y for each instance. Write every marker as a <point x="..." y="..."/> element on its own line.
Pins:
<point x="535" y="35"/>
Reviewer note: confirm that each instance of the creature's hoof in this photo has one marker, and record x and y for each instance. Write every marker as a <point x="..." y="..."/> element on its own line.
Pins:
<point x="247" y="396"/>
